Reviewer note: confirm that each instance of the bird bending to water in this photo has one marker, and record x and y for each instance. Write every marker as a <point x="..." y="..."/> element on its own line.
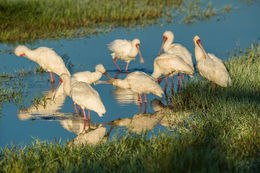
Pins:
<point x="89" y="77"/>
<point x="83" y="95"/>
<point x="140" y="83"/>
<point x="210" y="67"/>
<point x="125" y="50"/>
<point x="48" y="59"/>
<point x="176" y="49"/>
<point x="170" y="65"/>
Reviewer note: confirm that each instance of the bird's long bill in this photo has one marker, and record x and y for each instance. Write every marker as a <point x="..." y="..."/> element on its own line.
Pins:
<point x="54" y="94"/>
<point x="200" y="45"/>
<point x="164" y="40"/>
<point x="141" y="57"/>
<point x="106" y="74"/>
<point x="102" y="82"/>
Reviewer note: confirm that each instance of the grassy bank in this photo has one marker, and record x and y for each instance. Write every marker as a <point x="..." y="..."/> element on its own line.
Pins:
<point x="223" y="135"/>
<point x="27" y="20"/>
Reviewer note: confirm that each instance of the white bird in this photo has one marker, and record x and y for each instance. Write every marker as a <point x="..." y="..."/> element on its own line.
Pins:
<point x="48" y="59"/>
<point x="89" y="77"/>
<point x="140" y="83"/>
<point x="211" y="67"/>
<point x="125" y="50"/>
<point x="169" y="65"/>
<point x="83" y="95"/>
<point x="176" y="49"/>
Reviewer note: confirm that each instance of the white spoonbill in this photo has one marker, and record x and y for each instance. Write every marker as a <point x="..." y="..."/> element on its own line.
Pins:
<point x="89" y="77"/>
<point x="140" y="83"/>
<point x="48" y="59"/>
<point x="83" y="95"/>
<point x="170" y="65"/>
<point x="176" y="49"/>
<point x="125" y="50"/>
<point x="210" y="67"/>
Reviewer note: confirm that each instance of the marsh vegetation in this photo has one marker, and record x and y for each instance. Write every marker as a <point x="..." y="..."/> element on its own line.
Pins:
<point x="222" y="135"/>
<point x="29" y="20"/>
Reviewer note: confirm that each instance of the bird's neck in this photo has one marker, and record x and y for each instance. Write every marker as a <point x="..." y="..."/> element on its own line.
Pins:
<point x="156" y="74"/>
<point x="133" y="52"/>
<point x="67" y="87"/>
<point x="167" y="44"/>
<point x="96" y="75"/>
<point x="121" y="83"/>
<point x="200" y="54"/>
<point x="31" y="54"/>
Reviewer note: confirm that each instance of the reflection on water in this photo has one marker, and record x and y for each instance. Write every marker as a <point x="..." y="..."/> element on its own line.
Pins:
<point x="48" y="105"/>
<point x="91" y="136"/>
<point x="125" y="96"/>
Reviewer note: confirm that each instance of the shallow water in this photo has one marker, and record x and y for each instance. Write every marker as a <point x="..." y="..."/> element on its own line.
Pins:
<point x="241" y="27"/>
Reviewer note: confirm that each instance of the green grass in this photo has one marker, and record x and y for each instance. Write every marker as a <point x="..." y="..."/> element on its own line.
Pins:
<point x="222" y="135"/>
<point x="29" y="20"/>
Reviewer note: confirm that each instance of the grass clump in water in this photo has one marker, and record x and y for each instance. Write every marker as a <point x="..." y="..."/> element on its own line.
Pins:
<point x="25" y="20"/>
<point x="223" y="135"/>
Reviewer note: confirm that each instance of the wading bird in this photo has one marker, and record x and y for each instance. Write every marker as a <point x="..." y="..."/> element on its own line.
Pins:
<point x="125" y="50"/>
<point x="140" y="83"/>
<point x="89" y="77"/>
<point x="176" y="49"/>
<point x="169" y="65"/>
<point x="48" y="59"/>
<point x="210" y="67"/>
<point x="83" y="95"/>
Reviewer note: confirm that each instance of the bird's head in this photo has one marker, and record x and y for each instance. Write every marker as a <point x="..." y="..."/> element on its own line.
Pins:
<point x="167" y="35"/>
<point x="196" y="40"/>
<point x="100" y="68"/>
<point x="136" y="43"/>
<point x="21" y="50"/>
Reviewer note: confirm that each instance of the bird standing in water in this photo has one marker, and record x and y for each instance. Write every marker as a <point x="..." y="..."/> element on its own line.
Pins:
<point x="125" y="50"/>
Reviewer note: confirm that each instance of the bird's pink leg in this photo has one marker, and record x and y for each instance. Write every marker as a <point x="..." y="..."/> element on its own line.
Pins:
<point x="178" y="81"/>
<point x="79" y="110"/>
<point x="75" y="107"/>
<point x="126" y="68"/>
<point x="52" y="86"/>
<point x="141" y="102"/>
<point x="52" y="77"/>
<point x="182" y="79"/>
<point x="116" y="64"/>
<point x="165" y="88"/>
<point x="172" y="85"/>
<point x="213" y="85"/>
<point x="89" y="118"/>
<point x="145" y="101"/>
<point x="85" y="118"/>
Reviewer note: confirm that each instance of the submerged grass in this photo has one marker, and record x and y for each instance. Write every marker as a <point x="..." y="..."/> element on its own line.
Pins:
<point x="27" y="20"/>
<point x="223" y="135"/>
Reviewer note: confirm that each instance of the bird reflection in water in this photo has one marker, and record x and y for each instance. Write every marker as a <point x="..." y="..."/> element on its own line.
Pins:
<point x="46" y="106"/>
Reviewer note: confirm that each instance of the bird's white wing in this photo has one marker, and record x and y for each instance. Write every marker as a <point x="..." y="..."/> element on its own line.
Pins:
<point x="173" y="64"/>
<point x="181" y="51"/>
<point x="218" y="61"/>
<point x="86" y="96"/>
<point x="50" y="60"/>
<point x="120" y="47"/>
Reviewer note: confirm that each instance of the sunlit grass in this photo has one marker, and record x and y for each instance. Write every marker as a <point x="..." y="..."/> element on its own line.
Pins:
<point x="28" y="20"/>
<point x="221" y="136"/>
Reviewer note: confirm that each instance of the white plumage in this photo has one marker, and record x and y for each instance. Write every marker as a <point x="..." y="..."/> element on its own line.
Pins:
<point x="48" y="59"/>
<point x="175" y="49"/>
<point x="83" y="95"/>
<point x="211" y="67"/>
<point x="125" y="50"/>
<point x="89" y="77"/>
<point x="169" y="65"/>
<point x="140" y="83"/>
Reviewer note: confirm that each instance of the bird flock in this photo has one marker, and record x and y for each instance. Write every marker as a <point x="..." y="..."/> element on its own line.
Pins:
<point x="176" y="59"/>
